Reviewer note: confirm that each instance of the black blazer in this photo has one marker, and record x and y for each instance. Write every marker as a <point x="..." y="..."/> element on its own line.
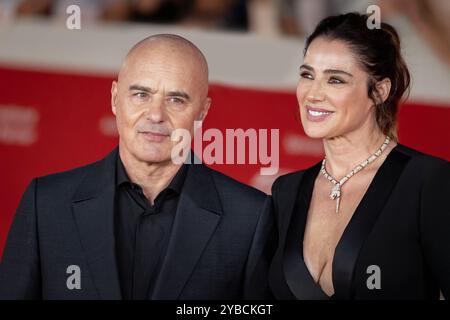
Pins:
<point x="67" y="219"/>
<point x="401" y="225"/>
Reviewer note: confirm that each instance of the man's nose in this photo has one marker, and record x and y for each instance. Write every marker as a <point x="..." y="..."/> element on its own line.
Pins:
<point x="155" y="111"/>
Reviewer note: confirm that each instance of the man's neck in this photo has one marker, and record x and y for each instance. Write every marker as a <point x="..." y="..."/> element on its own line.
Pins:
<point x="152" y="177"/>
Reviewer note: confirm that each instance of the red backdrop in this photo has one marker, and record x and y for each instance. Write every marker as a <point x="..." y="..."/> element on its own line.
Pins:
<point x="51" y="122"/>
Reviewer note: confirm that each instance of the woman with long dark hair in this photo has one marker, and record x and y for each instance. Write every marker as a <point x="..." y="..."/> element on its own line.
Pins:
<point x="372" y="219"/>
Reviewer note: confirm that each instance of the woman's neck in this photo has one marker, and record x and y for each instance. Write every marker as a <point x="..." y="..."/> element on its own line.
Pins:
<point x="343" y="153"/>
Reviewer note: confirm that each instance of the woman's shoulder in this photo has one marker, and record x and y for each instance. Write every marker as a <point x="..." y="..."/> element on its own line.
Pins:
<point x="431" y="171"/>
<point x="421" y="159"/>
<point x="290" y="180"/>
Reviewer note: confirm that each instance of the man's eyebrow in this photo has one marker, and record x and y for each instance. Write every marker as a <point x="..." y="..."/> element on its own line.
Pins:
<point x="179" y="93"/>
<point x="333" y="71"/>
<point x="141" y="88"/>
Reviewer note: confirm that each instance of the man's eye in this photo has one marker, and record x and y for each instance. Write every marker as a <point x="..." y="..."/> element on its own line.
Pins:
<point x="306" y="75"/>
<point x="141" y="95"/>
<point x="176" y="100"/>
<point x="334" y="80"/>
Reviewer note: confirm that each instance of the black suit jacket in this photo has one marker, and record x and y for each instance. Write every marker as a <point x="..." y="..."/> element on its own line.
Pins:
<point x="401" y="226"/>
<point x="67" y="219"/>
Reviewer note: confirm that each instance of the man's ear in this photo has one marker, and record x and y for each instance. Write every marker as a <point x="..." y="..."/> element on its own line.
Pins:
<point x="383" y="88"/>
<point x="205" y="109"/>
<point x="113" y="97"/>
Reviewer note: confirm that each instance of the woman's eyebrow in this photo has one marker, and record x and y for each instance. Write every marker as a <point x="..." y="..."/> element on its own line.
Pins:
<point x="333" y="71"/>
<point x="305" y="66"/>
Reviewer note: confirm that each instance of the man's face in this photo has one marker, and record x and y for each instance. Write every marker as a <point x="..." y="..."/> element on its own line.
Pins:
<point x="158" y="90"/>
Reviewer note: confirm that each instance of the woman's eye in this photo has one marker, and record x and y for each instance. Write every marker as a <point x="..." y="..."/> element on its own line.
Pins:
<point x="334" y="80"/>
<point x="306" y="75"/>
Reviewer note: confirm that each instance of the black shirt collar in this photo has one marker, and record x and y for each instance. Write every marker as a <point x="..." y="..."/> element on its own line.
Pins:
<point x="176" y="184"/>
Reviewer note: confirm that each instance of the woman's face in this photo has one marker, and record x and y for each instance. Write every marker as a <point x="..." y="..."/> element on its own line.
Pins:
<point x="332" y="91"/>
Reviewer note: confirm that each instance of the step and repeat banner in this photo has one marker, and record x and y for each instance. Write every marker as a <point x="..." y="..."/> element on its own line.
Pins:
<point x="55" y="109"/>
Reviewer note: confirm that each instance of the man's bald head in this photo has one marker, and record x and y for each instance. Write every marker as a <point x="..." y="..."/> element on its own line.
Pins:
<point x="172" y="42"/>
<point x="174" y="49"/>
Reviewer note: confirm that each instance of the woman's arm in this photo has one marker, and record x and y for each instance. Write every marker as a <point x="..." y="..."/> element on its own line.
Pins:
<point x="435" y="223"/>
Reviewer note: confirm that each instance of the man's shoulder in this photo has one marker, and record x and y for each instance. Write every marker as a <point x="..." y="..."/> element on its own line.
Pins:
<point x="237" y="200"/>
<point x="230" y="186"/>
<point x="66" y="182"/>
<point x="72" y="175"/>
<point x="227" y="182"/>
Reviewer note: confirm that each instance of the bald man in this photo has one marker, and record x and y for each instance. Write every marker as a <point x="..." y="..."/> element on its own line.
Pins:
<point x="137" y="224"/>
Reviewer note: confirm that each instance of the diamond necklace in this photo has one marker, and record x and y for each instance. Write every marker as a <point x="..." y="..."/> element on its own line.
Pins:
<point x="335" y="193"/>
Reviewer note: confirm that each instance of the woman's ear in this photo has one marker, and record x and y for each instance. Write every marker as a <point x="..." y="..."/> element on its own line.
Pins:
<point x="383" y="88"/>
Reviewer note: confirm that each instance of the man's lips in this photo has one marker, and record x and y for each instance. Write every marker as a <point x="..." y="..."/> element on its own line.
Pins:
<point x="154" y="136"/>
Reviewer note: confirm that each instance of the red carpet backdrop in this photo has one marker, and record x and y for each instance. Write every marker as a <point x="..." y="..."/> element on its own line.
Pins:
<point x="54" y="118"/>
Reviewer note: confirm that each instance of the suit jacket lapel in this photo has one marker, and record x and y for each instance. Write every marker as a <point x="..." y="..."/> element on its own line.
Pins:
<point x="93" y="211"/>
<point x="198" y="214"/>
<point x="362" y="222"/>
<point x="297" y="275"/>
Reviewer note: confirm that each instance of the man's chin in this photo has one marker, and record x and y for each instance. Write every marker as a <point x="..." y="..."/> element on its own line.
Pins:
<point x="154" y="158"/>
<point x="152" y="154"/>
<point x="148" y="152"/>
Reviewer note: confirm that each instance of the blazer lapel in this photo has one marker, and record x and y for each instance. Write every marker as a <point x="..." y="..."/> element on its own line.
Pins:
<point x="297" y="275"/>
<point x="362" y="222"/>
<point x="198" y="214"/>
<point x="93" y="211"/>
